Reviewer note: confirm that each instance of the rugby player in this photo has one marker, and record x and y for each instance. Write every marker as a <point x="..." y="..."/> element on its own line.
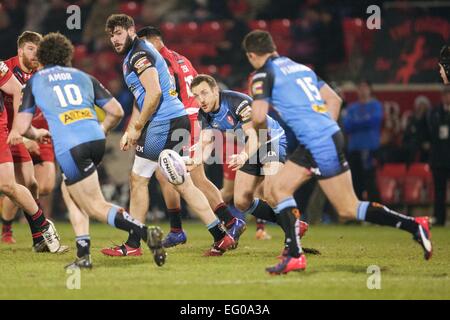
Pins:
<point x="230" y="112"/>
<point x="183" y="72"/>
<point x="22" y="66"/>
<point x="67" y="97"/>
<point x="299" y="96"/>
<point x="161" y="122"/>
<point x="18" y="193"/>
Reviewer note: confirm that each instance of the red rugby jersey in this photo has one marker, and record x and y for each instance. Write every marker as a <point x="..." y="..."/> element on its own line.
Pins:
<point x="38" y="119"/>
<point x="183" y="72"/>
<point x="5" y="75"/>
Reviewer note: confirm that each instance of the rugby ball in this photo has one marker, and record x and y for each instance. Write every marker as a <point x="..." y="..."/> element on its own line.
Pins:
<point x="173" y="167"/>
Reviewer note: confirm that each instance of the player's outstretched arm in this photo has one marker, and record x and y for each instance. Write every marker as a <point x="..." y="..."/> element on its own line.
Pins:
<point x="332" y="100"/>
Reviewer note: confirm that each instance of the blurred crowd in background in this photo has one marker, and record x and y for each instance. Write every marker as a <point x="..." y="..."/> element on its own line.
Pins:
<point x="393" y="133"/>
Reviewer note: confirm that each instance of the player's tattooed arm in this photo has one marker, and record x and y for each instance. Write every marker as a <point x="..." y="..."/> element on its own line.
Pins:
<point x="332" y="101"/>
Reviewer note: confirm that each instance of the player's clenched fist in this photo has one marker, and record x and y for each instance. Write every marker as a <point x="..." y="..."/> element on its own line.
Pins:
<point x="14" y="138"/>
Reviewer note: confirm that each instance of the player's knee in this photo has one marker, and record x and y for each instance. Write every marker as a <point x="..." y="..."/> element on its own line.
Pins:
<point x="45" y="189"/>
<point x="243" y="201"/>
<point x="8" y="188"/>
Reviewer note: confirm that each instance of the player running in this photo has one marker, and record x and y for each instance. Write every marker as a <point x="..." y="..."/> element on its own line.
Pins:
<point x="161" y="123"/>
<point x="298" y="95"/>
<point x="19" y="194"/>
<point x="67" y="97"/>
<point x="230" y="112"/>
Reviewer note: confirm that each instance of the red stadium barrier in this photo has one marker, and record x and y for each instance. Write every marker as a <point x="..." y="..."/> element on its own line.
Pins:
<point x="390" y="181"/>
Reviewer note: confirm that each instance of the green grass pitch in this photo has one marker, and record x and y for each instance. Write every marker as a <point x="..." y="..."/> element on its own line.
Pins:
<point x="340" y="272"/>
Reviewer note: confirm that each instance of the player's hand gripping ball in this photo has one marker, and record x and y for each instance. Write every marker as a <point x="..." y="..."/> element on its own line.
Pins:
<point x="173" y="166"/>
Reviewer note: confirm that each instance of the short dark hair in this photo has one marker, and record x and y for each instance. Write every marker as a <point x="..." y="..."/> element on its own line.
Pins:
<point x="28" y="36"/>
<point x="118" y="20"/>
<point x="148" y="32"/>
<point x="56" y="49"/>
<point x="259" y="42"/>
<point x="204" y="78"/>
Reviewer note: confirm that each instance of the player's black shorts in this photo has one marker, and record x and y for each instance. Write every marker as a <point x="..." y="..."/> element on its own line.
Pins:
<point x="171" y="134"/>
<point x="268" y="153"/>
<point x="81" y="161"/>
<point x="326" y="161"/>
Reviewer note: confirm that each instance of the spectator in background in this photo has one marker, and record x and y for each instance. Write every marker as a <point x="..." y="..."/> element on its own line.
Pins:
<point x="415" y="132"/>
<point x="93" y="32"/>
<point x="362" y="124"/>
<point x="438" y="134"/>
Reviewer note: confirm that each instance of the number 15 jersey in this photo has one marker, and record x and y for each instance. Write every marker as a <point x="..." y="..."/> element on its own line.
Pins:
<point x="293" y="91"/>
<point x="67" y="98"/>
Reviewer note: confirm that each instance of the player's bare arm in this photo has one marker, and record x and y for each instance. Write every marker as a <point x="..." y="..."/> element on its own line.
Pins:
<point x="150" y="81"/>
<point x="332" y="101"/>
<point x="251" y="147"/>
<point x="114" y="113"/>
<point x="260" y="109"/>
<point x="203" y="149"/>
<point x="124" y="146"/>
<point x="14" y="88"/>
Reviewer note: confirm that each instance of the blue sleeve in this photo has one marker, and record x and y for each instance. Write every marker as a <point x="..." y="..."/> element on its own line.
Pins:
<point x="28" y="103"/>
<point x="357" y="121"/>
<point x="262" y="84"/>
<point x="320" y="83"/>
<point x="101" y="95"/>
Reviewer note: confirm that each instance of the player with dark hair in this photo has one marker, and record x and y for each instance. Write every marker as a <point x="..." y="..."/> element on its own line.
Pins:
<point x="183" y="72"/>
<point x="161" y="122"/>
<point x="67" y="98"/>
<point x="230" y="112"/>
<point x="37" y="179"/>
<point x="300" y="96"/>
<point x="444" y="64"/>
<point x="17" y="193"/>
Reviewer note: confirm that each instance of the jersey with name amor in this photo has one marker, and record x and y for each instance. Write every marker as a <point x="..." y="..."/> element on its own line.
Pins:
<point x="141" y="57"/>
<point x="293" y="90"/>
<point x="67" y="97"/>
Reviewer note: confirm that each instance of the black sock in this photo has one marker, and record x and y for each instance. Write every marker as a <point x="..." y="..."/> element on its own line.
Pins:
<point x="134" y="240"/>
<point x="120" y="219"/>
<point x="224" y="214"/>
<point x="83" y="245"/>
<point x="260" y="224"/>
<point x="6" y="226"/>
<point x="262" y="211"/>
<point x="217" y="230"/>
<point x="37" y="222"/>
<point x="288" y="219"/>
<point x="379" y="214"/>
<point x="175" y="220"/>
